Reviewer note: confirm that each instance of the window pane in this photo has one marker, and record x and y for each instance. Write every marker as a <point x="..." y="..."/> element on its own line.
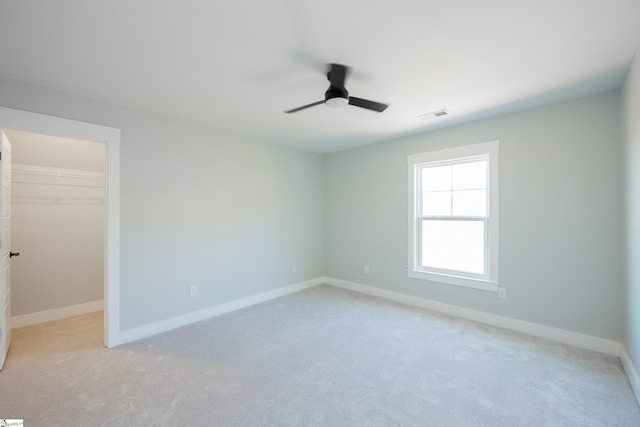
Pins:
<point x="470" y="203"/>
<point x="453" y="245"/>
<point x="436" y="203"/>
<point x="436" y="178"/>
<point x="468" y="176"/>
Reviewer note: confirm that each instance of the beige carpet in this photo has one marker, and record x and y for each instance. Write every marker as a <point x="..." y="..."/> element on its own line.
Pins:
<point x="321" y="357"/>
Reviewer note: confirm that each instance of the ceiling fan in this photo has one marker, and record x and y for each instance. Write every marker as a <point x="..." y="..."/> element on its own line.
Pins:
<point x="338" y="96"/>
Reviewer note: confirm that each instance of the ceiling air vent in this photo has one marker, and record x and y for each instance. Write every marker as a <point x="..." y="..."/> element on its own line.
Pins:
<point x="434" y="114"/>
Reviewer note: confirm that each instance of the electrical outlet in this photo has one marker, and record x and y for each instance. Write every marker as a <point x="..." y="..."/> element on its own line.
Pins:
<point x="366" y="269"/>
<point x="294" y="268"/>
<point x="193" y="290"/>
<point x="502" y="292"/>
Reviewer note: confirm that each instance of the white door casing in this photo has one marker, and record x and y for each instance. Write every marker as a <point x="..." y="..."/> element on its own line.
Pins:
<point x="66" y="128"/>
<point x="5" y="248"/>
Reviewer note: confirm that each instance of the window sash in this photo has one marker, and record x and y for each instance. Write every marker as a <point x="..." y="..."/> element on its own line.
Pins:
<point x="420" y="220"/>
<point x="420" y="192"/>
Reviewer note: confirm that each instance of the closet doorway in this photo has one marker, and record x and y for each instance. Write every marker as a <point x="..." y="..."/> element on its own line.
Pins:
<point x="58" y="209"/>
<point x="12" y="119"/>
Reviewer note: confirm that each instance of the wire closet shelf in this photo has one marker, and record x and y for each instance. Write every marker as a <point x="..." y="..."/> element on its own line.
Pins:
<point x="25" y="174"/>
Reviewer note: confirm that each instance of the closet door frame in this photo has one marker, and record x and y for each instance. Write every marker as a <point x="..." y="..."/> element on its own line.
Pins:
<point x="56" y="126"/>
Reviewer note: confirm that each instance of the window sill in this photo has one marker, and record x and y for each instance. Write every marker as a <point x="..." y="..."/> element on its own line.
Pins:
<point x="454" y="280"/>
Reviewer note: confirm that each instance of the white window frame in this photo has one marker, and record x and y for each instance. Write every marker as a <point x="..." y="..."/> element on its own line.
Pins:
<point x="489" y="150"/>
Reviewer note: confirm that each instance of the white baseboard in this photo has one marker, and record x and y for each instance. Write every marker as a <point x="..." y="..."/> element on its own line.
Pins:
<point x="632" y="374"/>
<point x="568" y="337"/>
<point x="56" y="314"/>
<point x="196" y="316"/>
<point x="573" y="338"/>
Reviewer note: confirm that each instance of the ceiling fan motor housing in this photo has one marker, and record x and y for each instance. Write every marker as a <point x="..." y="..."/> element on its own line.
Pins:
<point x="336" y="97"/>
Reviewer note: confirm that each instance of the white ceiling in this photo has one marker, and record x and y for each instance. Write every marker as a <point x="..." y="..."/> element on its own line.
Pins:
<point x="237" y="65"/>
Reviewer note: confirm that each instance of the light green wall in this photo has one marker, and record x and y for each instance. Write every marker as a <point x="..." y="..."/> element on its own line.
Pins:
<point x="231" y="215"/>
<point x="631" y="156"/>
<point x="560" y="219"/>
<point x="199" y="207"/>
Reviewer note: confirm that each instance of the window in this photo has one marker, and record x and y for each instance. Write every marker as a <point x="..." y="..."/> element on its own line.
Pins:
<point x="453" y="216"/>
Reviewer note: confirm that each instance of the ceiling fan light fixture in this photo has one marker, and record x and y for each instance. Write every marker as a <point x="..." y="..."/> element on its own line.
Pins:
<point x="336" y="102"/>
<point x="337" y="95"/>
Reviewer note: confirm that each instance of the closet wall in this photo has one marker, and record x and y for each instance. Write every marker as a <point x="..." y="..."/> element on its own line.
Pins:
<point x="57" y="223"/>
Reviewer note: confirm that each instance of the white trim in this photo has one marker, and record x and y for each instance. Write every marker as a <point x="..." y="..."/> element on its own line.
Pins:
<point x="490" y="150"/>
<point x="112" y="244"/>
<point x="56" y="314"/>
<point x="196" y="316"/>
<point x="632" y="374"/>
<point x="66" y="128"/>
<point x="467" y="282"/>
<point x="458" y="152"/>
<point x="567" y="337"/>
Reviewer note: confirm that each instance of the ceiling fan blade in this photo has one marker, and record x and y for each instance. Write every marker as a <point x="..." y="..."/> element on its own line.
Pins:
<point x="309" y="61"/>
<point x="305" y="106"/>
<point x="337" y="74"/>
<point x="369" y="105"/>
